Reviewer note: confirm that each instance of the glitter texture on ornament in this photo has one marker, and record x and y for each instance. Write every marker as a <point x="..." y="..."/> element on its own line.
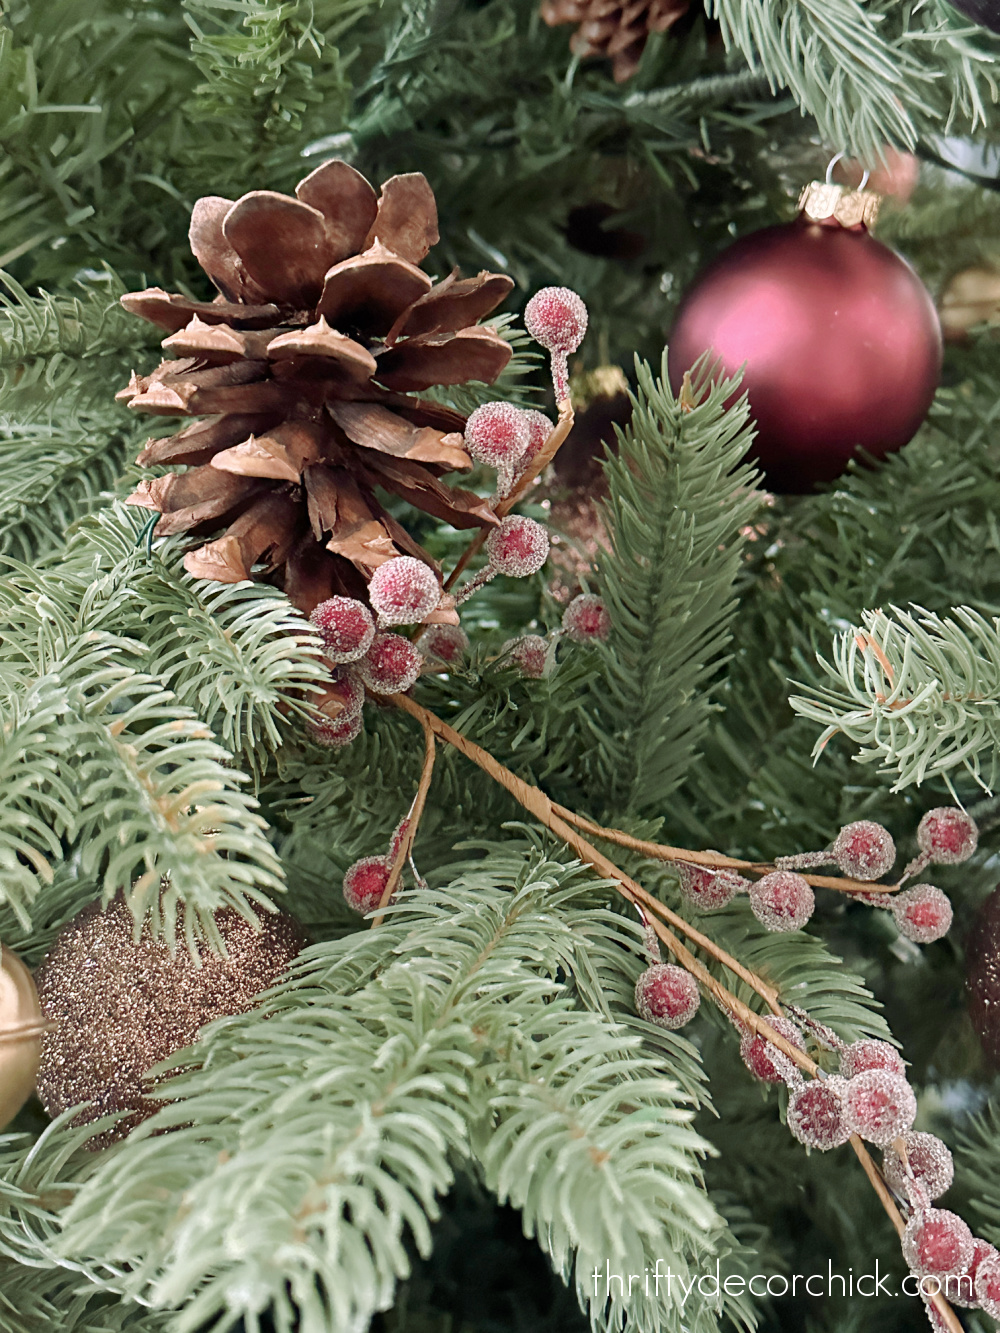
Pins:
<point x="816" y="1113"/>
<point x="345" y="626"/>
<point x="403" y="591"/>
<point x="782" y="900"/>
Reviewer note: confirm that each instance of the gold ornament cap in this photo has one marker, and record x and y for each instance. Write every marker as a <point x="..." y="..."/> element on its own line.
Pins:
<point x="21" y="1028"/>
<point x="822" y="200"/>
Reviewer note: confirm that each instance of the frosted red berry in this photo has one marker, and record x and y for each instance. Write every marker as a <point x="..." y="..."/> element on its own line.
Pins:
<point x="335" y="733"/>
<point x="498" y="435"/>
<point x="937" y="1243"/>
<point x="586" y="619"/>
<point x="965" y="1290"/>
<point x="864" y="850"/>
<point x="930" y="1161"/>
<point x="539" y="430"/>
<point x="923" y="914"/>
<point x="345" y="626"/>
<point x="870" y="1054"/>
<point x="365" y="881"/>
<point x="391" y="665"/>
<point x="947" y="835"/>
<point x="404" y="591"/>
<point x="396" y="841"/>
<point x="816" y="1113"/>
<point x="782" y="900"/>
<point x="530" y="653"/>
<point x="880" y="1105"/>
<point x="556" y="318"/>
<point x="758" y="1054"/>
<point x="444" y="643"/>
<point x="667" y="996"/>
<point x="518" y="547"/>
<point x="708" y="889"/>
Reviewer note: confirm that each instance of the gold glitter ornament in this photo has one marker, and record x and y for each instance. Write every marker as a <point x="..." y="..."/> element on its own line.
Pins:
<point x="119" y="1006"/>
<point x="21" y="1028"/>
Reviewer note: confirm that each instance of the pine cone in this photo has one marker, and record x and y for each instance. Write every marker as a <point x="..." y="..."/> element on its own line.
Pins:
<point x="303" y="366"/>
<point x="613" y="28"/>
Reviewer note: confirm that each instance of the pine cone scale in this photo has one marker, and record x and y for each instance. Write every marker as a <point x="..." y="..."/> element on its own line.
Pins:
<point x="348" y="203"/>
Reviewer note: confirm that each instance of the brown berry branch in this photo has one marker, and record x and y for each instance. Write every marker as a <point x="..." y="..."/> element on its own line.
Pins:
<point x="715" y="860"/>
<point x="553" y="817"/>
<point x="412" y="823"/>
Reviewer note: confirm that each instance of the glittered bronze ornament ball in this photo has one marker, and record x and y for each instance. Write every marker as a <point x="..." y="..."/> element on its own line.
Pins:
<point x="119" y="1006"/>
<point x="20" y="1035"/>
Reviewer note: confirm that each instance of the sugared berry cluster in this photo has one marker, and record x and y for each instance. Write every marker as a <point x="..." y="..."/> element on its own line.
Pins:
<point x="783" y="900"/>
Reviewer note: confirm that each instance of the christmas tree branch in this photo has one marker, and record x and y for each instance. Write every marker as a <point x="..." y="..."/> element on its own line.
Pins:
<point x="714" y="860"/>
<point x="542" y="459"/>
<point x="550" y="814"/>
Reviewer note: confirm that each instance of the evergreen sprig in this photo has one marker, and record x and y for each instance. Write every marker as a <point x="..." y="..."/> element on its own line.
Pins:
<point x="679" y="495"/>
<point x="917" y="692"/>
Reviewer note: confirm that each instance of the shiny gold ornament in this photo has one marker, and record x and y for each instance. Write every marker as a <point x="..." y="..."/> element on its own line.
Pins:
<point x="971" y="297"/>
<point x="21" y="1029"/>
<point x="119" y="1006"/>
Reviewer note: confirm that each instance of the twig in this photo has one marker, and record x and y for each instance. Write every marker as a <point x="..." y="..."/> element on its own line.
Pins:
<point x="715" y="860"/>
<point x="413" y="821"/>
<point x="541" y="461"/>
<point x="553" y="817"/>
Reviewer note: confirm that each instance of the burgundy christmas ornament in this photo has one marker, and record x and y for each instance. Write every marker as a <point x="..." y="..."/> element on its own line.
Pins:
<point x="840" y="338"/>
<point x="982" y="975"/>
<point x="984" y="12"/>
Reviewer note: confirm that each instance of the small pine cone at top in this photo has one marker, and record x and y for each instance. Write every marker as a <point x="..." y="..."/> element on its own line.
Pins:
<point x="305" y="371"/>
<point x="618" y="31"/>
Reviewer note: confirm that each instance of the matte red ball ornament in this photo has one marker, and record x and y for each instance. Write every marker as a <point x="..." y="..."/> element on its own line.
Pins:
<point x="840" y="339"/>
<point x="984" y="12"/>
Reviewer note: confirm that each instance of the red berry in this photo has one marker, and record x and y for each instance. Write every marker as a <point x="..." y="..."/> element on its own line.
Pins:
<point x="335" y="733"/>
<point x="404" y="591"/>
<point x="937" y="1243"/>
<point x="396" y="841"/>
<point x="880" y="1105"/>
<point x="947" y="835"/>
<point x="365" y="881"/>
<point x="988" y="1285"/>
<point x="557" y="318"/>
<point x="445" y="643"/>
<point x="757" y="1053"/>
<point x="816" y="1113"/>
<point x="391" y="664"/>
<point x="518" y="547"/>
<point x="962" y="1290"/>
<point x="539" y="430"/>
<point x="341" y="698"/>
<point x="870" y="1054"/>
<point x="864" y="850"/>
<point x="708" y="889"/>
<point x="667" y="996"/>
<point x="586" y="619"/>
<point x="929" y="1159"/>
<point x="782" y="900"/>
<point x="530" y="653"/>
<point x="346" y="628"/>
<point x="922" y="914"/>
<point x="498" y="435"/>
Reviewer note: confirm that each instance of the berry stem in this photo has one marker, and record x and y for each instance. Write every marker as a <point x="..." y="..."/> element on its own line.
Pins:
<point x="661" y="852"/>
<point x="413" y="816"/>
<point x="540" y="461"/>
<point x="554" y="818"/>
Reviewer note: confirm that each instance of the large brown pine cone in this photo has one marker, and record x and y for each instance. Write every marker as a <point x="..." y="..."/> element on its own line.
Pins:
<point x="303" y="367"/>
<point x="616" y="29"/>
